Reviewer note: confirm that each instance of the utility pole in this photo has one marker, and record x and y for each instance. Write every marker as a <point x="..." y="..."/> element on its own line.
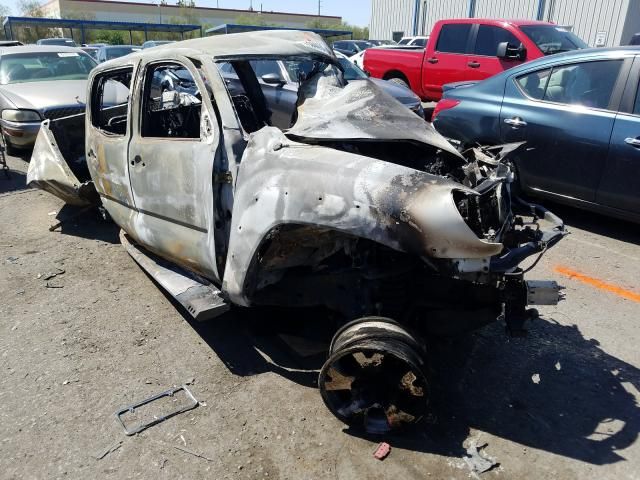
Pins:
<point x="319" y="5"/>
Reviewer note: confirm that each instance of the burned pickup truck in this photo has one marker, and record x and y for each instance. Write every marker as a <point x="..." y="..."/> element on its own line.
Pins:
<point x="360" y="207"/>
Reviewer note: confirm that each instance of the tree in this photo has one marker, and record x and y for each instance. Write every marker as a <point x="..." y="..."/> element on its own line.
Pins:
<point x="187" y="16"/>
<point x="4" y="12"/>
<point x="112" y="37"/>
<point x="33" y="8"/>
<point x="89" y="35"/>
<point x="255" y="19"/>
<point x="359" y="33"/>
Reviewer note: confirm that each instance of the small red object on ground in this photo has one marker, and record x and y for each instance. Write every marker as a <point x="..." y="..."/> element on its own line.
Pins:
<point x="382" y="451"/>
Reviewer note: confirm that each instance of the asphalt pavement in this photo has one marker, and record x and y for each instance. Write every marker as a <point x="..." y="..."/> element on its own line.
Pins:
<point x="84" y="332"/>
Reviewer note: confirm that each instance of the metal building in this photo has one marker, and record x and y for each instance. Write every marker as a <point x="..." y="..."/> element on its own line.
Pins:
<point x="598" y="22"/>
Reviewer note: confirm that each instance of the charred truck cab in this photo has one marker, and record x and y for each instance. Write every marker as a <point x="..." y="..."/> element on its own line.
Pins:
<point x="360" y="206"/>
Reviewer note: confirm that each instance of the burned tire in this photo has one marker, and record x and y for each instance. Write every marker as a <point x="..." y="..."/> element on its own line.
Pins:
<point x="374" y="377"/>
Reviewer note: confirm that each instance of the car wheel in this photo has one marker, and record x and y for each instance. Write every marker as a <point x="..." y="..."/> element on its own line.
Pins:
<point x="399" y="81"/>
<point x="8" y="148"/>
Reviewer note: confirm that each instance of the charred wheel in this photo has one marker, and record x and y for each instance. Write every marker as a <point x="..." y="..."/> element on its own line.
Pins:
<point x="374" y="377"/>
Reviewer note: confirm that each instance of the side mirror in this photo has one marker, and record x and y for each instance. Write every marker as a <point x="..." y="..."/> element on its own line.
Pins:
<point x="510" y="51"/>
<point x="272" y="79"/>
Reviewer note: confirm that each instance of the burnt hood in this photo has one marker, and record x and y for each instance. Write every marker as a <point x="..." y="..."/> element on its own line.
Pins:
<point x="330" y="111"/>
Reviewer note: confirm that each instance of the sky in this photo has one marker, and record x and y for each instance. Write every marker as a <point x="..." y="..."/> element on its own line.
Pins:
<point x="356" y="12"/>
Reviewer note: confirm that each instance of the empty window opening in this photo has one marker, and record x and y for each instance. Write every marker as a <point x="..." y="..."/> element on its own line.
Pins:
<point x="110" y="102"/>
<point x="172" y="103"/>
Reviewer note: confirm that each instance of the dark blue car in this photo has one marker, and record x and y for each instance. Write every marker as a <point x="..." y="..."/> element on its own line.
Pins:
<point x="579" y="113"/>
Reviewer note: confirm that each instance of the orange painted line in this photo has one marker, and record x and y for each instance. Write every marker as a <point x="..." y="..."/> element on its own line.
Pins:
<point x="599" y="284"/>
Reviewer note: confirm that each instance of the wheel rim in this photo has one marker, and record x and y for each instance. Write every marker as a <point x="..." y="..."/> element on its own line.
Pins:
<point x="373" y="378"/>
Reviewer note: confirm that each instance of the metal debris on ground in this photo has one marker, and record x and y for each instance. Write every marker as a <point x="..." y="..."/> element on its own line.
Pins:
<point x="50" y="275"/>
<point x="53" y="285"/>
<point x="382" y="451"/>
<point x="109" y="450"/>
<point x="159" y="418"/>
<point x="477" y="462"/>
<point x="195" y="454"/>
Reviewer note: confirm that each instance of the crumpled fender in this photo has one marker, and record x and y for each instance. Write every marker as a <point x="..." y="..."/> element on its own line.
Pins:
<point x="49" y="171"/>
<point x="284" y="182"/>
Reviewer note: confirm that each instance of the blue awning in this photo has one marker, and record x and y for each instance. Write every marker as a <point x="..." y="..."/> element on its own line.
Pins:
<point x="71" y="23"/>
<point x="235" y="28"/>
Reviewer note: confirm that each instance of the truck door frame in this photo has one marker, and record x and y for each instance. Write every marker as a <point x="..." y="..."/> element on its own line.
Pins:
<point x="183" y="233"/>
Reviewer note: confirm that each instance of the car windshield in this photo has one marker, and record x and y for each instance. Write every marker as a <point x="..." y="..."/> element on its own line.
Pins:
<point x="404" y="41"/>
<point x="44" y="66"/>
<point x="182" y="74"/>
<point x="551" y="39"/>
<point x="116" y="52"/>
<point x="351" y="72"/>
<point x="363" y="45"/>
<point x="65" y="42"/>
<point x="92" y="52"/>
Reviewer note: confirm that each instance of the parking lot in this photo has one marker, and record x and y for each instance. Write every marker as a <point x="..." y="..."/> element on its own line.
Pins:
<point x="99" y="335"/>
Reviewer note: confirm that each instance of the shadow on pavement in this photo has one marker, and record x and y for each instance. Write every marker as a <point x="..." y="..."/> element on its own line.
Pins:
<point x="86" y="223"/>
<point x="290" y="342"/>
<point x="16" y="181"/>
<point x="596" y="223"/>
<point x="583" y="406"/>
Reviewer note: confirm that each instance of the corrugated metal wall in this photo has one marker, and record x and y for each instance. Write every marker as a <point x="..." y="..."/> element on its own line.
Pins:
<point x="618" y="18"/>
<point x="511" y="9"/>
<point x="437" y="10"/>
<point x="388" y="16"/>
<point x="589" y="17"/>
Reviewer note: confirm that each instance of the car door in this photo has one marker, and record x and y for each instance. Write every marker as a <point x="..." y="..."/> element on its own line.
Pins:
<point x="448" y="62"/>
<point x="107" y="139"/>
<point x="565" y="113"/>
<point x="620" y="185"/>
<point x="483" y="62"/>
<point x="173" y="147"/>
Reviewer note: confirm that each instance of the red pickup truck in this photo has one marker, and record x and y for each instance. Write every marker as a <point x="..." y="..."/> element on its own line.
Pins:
<point x="468" y="49"/>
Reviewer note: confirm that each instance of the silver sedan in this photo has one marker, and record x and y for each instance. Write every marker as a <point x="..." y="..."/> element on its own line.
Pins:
<point x="38" y="83"/>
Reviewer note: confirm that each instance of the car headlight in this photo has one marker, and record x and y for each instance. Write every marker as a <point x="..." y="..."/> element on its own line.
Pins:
<point x="21" y="115"/>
